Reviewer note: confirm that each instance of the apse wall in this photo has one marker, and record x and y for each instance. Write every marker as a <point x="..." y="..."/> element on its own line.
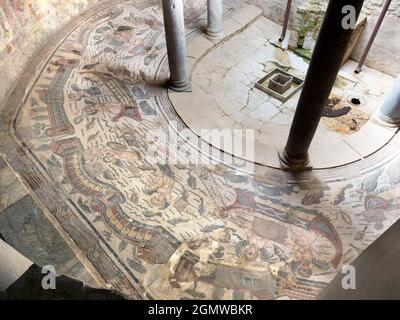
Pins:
<point x="384" y="55"/>
<point x="24" y="26"/>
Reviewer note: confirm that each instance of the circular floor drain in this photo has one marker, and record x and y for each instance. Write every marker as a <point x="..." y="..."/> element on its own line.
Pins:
<point x="356" y="100"/>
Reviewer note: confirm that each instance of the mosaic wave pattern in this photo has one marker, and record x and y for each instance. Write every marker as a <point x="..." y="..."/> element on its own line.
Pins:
<point x="79" y="140"/>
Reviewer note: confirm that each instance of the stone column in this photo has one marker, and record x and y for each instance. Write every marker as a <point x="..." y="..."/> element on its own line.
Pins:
<point x="389" y="112"/>
<point x="215" y="17"/>
<point x="326" y="60"/>
<point x="174" y="25"/>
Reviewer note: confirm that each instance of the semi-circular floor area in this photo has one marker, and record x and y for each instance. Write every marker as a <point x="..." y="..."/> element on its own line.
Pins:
<point x="226" y="96"/>
<point x="85" y="130"/>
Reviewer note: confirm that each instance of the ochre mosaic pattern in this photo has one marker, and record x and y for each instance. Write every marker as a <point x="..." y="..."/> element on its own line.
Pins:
<point x="178" y="230"/>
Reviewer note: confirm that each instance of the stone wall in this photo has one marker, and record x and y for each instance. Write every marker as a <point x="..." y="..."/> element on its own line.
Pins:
<point x="384" y="55"/>
<point x="275" y="9"/>
<point x="24" y="26"/>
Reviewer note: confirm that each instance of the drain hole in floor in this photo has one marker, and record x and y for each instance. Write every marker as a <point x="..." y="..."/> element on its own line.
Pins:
<point x="355" y="101"/>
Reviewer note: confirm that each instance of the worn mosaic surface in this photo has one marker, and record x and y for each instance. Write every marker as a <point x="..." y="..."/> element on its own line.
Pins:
<point x="79" y="140"/>
<point x="25" y="25"/>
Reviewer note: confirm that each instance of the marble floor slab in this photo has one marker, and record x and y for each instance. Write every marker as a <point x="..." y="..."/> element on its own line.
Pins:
<point x="229" y="92"/>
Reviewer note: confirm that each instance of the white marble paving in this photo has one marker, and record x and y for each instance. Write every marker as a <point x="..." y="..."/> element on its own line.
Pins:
<point x="224" y="95"/>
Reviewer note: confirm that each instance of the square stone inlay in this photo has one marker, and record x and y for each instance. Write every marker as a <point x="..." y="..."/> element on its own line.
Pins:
<point x="280" y="84"/>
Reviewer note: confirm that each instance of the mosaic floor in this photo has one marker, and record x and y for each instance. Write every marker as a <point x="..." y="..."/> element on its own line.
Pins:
<point x="78" y="130"/>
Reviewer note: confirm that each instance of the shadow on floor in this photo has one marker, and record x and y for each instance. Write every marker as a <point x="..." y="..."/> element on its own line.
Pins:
<point x="377" y="272"/>
<point x="29" y="287"/>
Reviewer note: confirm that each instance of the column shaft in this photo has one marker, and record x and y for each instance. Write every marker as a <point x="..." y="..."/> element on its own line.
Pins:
<point x="215" y="17"/>
<point x="174" y="25"/>
<point x="328" y="54"/>
<point x="389" y="111"/>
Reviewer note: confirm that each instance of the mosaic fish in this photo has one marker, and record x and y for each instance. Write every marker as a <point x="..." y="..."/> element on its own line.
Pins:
<point x="340" y="196"/>
<point x="147" y="109"/>
<point x="192" y="181"/>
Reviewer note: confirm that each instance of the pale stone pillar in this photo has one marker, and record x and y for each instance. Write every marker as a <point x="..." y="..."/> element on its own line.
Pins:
<point x="215" y="15"/>
<point x="389" y="111"/>
<point x="174" y="25"/>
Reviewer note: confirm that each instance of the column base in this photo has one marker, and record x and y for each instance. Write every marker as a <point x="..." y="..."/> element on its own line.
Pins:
<point x="290" y="164"/>
<point x="180" y="86"/>
<point x="214" y="35"/>
<point x="382" y="120"/>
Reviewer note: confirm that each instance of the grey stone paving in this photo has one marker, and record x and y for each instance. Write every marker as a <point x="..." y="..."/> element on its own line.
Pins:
<point x="24" y="226"/>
